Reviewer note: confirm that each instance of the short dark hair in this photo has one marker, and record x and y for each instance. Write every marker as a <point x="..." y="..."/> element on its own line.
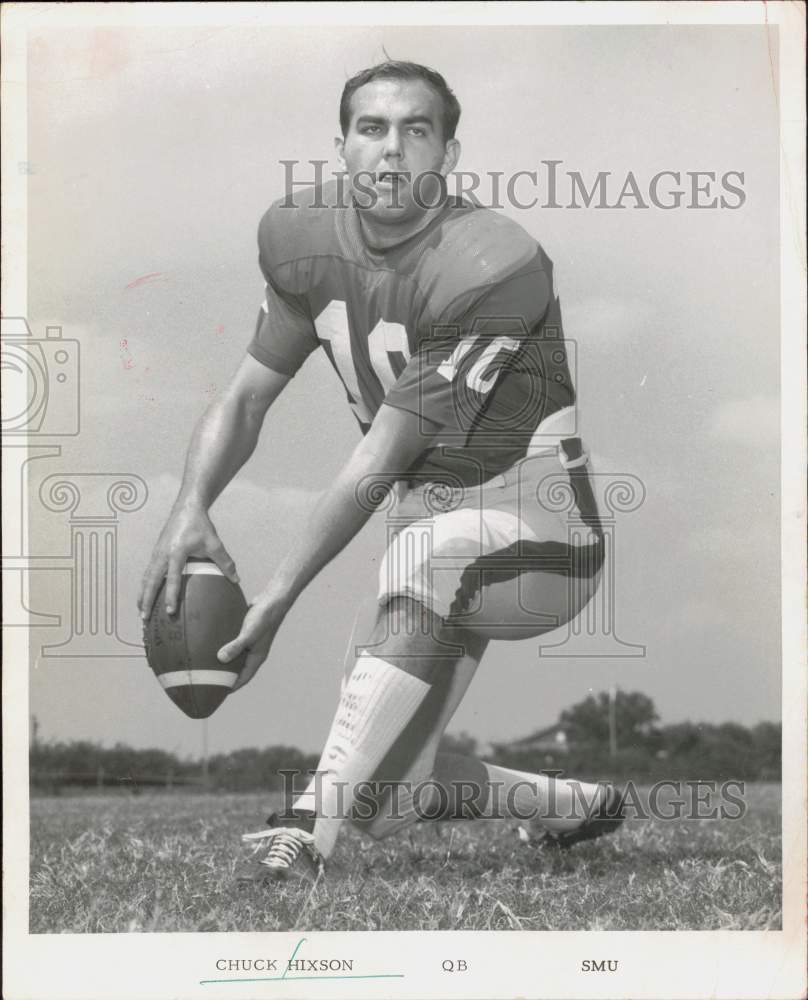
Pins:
<point x="394" y="69"/>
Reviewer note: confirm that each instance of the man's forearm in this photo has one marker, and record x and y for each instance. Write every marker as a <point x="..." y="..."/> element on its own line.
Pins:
<point x="396" y="438"/>
<point x="222" y="441"/>
<point x="339" y="515"/>
<point x="384" y="455"/>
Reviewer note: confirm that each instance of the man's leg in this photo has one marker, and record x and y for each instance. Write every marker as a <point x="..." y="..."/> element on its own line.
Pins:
<point x="469" y="787"/>
<point x="389" y="703"/>
<point x="419" y="784"/>
<point x="411" y="758"/>
<point x="476" y="789"/>
<point x="381" y="735"/>
<point x="402" y="693"/>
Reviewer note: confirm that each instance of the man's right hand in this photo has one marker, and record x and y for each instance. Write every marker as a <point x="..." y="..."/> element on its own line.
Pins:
<point x="188" y="532"/>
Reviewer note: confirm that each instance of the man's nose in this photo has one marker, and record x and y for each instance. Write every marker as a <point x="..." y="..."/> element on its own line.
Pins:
<point x="392" y="144"/>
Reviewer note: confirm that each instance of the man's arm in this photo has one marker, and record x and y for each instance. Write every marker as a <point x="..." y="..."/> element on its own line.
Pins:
<point x="384" y="455"/>
<point x="222" y="441"/>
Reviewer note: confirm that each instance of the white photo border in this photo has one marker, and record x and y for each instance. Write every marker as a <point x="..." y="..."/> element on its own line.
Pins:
<point x="652" y="964"/>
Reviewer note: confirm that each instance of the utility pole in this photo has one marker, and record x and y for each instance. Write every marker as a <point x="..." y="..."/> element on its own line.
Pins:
<point x="205" y="774"/>
<point x="613" y="721"/>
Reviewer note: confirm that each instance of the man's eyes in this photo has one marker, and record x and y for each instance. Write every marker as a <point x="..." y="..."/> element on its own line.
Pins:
<point x="414" y="130"/>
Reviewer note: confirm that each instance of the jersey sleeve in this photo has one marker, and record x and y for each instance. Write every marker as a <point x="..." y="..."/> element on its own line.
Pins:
<point x="482" y="363"/>
<point x="284" y="332"/>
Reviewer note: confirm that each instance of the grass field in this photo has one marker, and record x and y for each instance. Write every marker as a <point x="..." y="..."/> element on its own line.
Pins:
<point x="165" y="863"/>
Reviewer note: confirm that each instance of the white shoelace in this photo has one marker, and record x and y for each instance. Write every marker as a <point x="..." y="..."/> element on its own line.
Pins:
<point x="284" y="843"/>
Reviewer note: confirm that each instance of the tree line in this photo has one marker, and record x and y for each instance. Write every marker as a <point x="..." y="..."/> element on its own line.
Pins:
<point x="616" y="737"/>
<point x="619" y="737"/>
<point x="82" y="764"/>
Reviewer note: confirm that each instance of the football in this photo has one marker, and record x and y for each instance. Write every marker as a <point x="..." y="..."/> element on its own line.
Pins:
<point x="181" y="648"/>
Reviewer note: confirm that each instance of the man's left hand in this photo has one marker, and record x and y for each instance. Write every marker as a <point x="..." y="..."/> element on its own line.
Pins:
<point x="257" y="633"/>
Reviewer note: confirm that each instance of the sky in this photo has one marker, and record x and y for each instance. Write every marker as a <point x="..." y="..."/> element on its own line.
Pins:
<point x="152" y="155"/>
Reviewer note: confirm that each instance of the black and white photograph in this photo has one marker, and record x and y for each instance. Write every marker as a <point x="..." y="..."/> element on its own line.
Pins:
<point x="403" y="500"/>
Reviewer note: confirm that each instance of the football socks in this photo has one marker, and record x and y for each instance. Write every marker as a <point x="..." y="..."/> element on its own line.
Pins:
<point x="559" y="804"/>
<point x="377" y="702"/>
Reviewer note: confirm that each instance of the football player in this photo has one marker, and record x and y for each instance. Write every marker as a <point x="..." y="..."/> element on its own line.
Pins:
<point x="441" y="320"/>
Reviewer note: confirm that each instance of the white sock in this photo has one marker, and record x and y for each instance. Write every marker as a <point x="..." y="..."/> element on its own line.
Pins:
<point x="559" y="804"/>
<point x="307" y="800"/>
<point x="377" y="702"/>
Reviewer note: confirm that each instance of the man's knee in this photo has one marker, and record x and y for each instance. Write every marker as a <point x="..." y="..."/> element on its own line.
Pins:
<point x="417" y="640"/>
<point x="464" y="784"/>
<point x="458" y="789"/>
<point x="409" y="620"/>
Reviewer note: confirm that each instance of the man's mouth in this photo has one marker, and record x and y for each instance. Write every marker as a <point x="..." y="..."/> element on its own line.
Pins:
<point x="391" y="178"/>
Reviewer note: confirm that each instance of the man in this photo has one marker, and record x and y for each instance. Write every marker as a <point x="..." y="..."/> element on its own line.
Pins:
<point x="442" y="323"/>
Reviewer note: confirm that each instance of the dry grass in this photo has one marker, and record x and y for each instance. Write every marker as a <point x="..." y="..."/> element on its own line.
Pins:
<point x="166" y="863"/>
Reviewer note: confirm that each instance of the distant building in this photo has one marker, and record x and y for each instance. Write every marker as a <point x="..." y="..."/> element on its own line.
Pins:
<point x="547" y="742"/>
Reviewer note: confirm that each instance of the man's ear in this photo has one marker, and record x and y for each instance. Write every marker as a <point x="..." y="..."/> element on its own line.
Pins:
<point x="339" y="146"/>
<point x="450" y="157"/>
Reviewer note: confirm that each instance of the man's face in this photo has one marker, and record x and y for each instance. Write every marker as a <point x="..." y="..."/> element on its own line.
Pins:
<point x="396" y="136"/>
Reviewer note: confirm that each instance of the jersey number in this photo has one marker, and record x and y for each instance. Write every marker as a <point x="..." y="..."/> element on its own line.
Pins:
<point x="384" y="339"/>
<point x="475" y="378"/>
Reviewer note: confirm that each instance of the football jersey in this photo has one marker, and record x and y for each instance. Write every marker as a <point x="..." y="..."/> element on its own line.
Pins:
<point x="458" y="324"/>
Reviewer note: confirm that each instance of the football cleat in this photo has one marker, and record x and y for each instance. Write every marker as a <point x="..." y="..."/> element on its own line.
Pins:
<point x="606" y="819"/>
<point x="288" y="850"/>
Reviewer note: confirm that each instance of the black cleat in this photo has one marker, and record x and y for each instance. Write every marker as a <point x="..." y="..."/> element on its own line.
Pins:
<point x="287" y="849"/>
<point x="606" y="819"/>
